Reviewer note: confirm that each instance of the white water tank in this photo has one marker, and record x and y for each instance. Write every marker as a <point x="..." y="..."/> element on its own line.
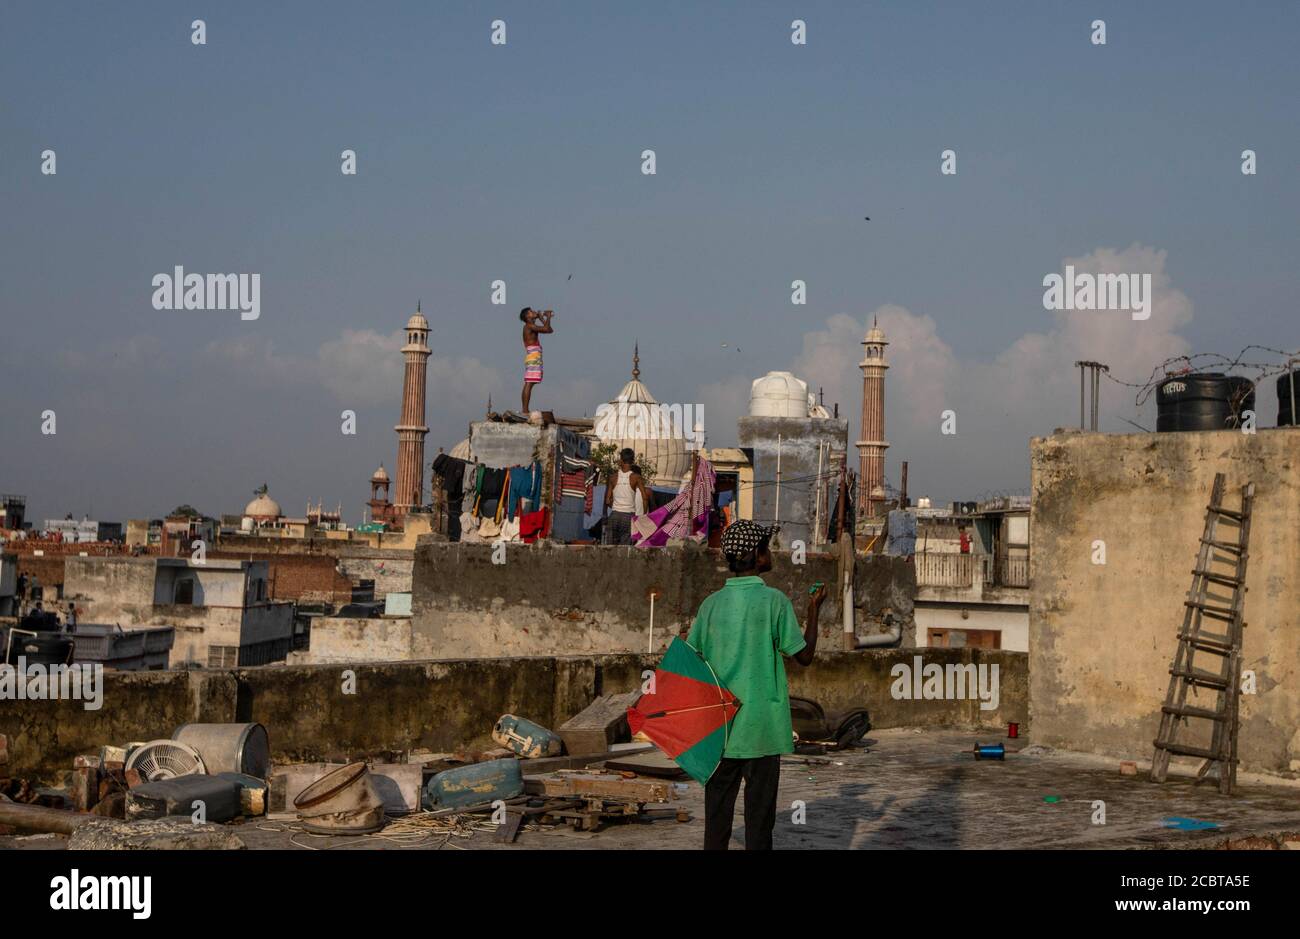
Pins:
<point x="778" y="394"/>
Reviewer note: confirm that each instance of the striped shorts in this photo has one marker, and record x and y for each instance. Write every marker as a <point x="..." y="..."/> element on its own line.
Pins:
<point x="532" y="364"/>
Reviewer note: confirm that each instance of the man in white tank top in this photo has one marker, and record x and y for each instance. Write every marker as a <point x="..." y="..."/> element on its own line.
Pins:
<point x="621" y="490"/>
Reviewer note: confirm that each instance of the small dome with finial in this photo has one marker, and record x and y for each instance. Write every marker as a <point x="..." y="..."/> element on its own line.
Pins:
<point x="417" y="320"/>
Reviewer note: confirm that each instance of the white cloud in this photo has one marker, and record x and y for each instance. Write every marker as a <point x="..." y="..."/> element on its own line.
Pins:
<point x="361" y="368"/>
<point x="1028" y="389"/>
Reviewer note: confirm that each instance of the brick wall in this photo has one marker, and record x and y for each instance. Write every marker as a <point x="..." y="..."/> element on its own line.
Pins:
<point x="303" y="578"/>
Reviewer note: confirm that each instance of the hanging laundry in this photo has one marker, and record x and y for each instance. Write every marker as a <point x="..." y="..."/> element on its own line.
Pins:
<point x="525" y="483"/>
<point x="573" y="484"/>
<point x="686" y="516"/>
<point x="533" y="525"/>
<point x="490" y="485"/>
<point x="452" y="472"/>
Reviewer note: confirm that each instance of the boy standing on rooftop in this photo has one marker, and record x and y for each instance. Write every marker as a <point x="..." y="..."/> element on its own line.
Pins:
<point x="534" y="324"/>
<point x="743" y="631"/>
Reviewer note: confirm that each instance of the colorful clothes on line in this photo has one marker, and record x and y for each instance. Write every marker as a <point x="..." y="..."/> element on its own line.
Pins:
<point x="574" y="484"/>
<point x="575" y="465"/>
<point x="533" y="363"/>
<point x="490" y="486"/>
<point x="525" y="483"/>
<point x="686" y="516"/>
<point x="533" y="526"/>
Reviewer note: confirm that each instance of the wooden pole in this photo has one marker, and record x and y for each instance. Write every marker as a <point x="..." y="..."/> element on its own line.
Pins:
<point x="40" y="819"/>
<point x="839" y="521"/>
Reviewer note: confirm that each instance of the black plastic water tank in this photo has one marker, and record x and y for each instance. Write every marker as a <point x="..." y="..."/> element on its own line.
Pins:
<point x="1203" y="401"/>
<point x="1285" y="415"/>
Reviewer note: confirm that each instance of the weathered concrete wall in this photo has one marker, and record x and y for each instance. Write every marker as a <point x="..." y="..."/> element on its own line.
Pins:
<point x="443" y="705"/>
<point x="44" y="736"/>
<point x="563" y="600"/>
<point x="1102" y="636"/>
<point x="842" y="680"/>
<point x="309" y="715"/>
<point x="799" y="439"/>
<point x="120" y="589"/>
<point x="390" y="574"/>
<point x="381" y="710"/>
<point x="344" y="639"/>
<point x="500" y="445"/>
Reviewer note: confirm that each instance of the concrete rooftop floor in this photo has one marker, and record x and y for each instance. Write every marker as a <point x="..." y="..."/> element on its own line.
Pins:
<point x="913" y="789"/>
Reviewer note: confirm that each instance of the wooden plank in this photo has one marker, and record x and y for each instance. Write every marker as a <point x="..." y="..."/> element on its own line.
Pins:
<point x="599" y="724"/>
<point x="549" y="764"/>
<point x="593" y="785"/>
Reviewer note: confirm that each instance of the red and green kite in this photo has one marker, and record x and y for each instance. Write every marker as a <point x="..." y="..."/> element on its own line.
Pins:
<point x="688" y="714"/>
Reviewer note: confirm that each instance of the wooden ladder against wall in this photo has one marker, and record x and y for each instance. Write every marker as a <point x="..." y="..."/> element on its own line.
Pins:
<point x="1220" y="569"/>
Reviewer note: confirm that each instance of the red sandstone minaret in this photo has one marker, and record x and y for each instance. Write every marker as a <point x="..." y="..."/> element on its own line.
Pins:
<point x="411" y="429"/>
<point x="872" y="445"/>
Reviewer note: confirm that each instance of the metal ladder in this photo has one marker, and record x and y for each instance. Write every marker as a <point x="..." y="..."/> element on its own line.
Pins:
<point x="1225" y="646"/>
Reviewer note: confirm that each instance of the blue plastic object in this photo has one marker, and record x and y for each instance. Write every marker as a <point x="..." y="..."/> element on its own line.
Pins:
<point x="476" y="784"/>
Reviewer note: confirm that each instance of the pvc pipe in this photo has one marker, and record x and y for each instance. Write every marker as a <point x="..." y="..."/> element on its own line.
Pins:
<point x="778" y="478"/>
<point x="847" y="603"/>
<point x="817" y="498"/>
<point x="891" y="638"/>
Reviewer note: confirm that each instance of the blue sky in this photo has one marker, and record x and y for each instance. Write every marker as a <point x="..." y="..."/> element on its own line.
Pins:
<point x="522" y="162"/>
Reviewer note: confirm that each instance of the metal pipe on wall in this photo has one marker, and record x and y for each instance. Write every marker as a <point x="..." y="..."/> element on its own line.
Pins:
<point x="778" y="478"/>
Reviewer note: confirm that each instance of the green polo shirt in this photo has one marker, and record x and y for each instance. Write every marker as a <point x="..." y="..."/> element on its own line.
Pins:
<point x="742" y="631"/>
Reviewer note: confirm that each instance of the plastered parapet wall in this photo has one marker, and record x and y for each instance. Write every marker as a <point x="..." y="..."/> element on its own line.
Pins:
<point x="381" y="710"/>
<point x="582" y="600"/>
<point x="1102" y="636"/>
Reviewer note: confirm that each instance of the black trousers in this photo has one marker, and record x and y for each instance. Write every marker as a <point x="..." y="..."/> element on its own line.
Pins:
<point x="761" y="776"/>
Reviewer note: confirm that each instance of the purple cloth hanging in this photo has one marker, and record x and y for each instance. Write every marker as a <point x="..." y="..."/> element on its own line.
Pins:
<point x="671" y="521"/>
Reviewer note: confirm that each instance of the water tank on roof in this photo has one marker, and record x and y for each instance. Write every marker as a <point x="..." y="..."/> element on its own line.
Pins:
<point x="778" y="394"/>
<point x="1203" y="401"/>
<point x="1288" y="398"/>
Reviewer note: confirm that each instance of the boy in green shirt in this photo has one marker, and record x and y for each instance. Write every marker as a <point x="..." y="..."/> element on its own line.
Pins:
<point x="743" y="631"/>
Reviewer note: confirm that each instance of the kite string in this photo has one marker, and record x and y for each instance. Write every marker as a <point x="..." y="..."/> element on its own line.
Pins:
<point x="726" y="724"/>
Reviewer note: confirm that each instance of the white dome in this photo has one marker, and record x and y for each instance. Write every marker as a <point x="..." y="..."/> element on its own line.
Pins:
<point x="659" y="444"/>
<point x="262" y="507"/>
<point x="778" y="394"/>
<point x="461" y="450"/>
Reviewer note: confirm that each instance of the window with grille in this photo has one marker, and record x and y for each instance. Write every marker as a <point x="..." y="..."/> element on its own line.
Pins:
<point x="223" y="656"/>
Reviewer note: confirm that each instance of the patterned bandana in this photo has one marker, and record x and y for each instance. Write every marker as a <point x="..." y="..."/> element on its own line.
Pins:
<point x="742" y="537"/>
